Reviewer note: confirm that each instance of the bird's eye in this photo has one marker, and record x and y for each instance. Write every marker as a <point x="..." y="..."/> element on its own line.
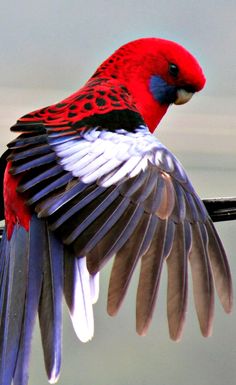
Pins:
<point x="173" y="70"/>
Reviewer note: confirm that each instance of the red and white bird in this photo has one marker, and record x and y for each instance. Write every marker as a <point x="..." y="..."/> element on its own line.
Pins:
<point x="85" y="181"/>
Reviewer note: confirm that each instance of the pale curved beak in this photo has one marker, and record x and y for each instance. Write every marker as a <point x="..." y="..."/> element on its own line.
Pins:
<point x="183" y="96"/>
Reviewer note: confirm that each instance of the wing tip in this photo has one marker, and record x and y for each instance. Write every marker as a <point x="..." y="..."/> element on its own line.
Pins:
<point x="142" y="326"/>
<point x="176" y="337"/>
<point x="85" y="333"/>
<point x="207" y="326"/>
<point x="207" y="332"/>
<point x="228" y="304"/>
<point x="141" y="332"/>
<point x="112" y="310"/>
<point x="53" y="379"/>
<point x="114" y="301"/>
<point x="176" y="332"/>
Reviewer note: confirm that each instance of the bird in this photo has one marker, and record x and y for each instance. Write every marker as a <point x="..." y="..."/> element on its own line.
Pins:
<point x="85" y="180"/>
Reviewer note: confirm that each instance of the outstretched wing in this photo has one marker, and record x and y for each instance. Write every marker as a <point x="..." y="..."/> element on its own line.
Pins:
<point x="122" y="193"/>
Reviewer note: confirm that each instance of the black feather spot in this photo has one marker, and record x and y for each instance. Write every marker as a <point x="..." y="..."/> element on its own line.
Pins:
<point x="100" y="102"/>
<point x="80" y="97"/>
<point x="71" y="114"/>
<point x="88" y="106"/>
<point x="43" y="110"/>
<point x="60" y="105"/>
<point x="123" y="88"/>
<point x="113" y="97"/>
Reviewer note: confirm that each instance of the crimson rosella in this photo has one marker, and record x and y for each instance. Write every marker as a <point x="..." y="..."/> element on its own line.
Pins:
<point x="85" y="181"/>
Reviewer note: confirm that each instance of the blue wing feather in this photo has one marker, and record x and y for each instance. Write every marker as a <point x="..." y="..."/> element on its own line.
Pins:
<point x="34" y="284"/>
<point x="13" y="306"/>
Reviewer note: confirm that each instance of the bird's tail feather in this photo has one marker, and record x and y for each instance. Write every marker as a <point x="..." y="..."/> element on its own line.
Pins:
<point x="33" y="291"/>
<point x="33" y="273"/>
<point x="15" y="254"/>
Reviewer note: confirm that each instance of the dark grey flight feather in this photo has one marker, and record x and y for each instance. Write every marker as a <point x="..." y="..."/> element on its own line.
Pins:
<point x="99" y="228"/>
<point x="129" y="222"/>
<point x="50" y="188"/>
<point x="39" y="161"/>
<point x="149" y="279"/>
<point x="23" y="141"/>
<point x="30" y="153"/>
<point x="53" y="203"/>
<point x="126" y="260"/>
<point x="49" y="173"/>
<point x="220" y="267"/>
<point x="110" y="232"/>
<point x="170" y="233"/>
<point x="177" y="291"/>
<point x="69" y="280"/>
<point x="50" y="305"/>
<point x="92" y="207"/>
<point x="203" y="288"/>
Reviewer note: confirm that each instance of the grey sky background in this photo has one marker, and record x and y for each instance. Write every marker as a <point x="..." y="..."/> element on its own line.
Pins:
<point x="58" y="44"/>
<point x="48" y="49"/>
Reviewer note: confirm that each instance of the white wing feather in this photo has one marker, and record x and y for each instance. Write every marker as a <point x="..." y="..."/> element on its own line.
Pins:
<point x="120" y="154"/>
<point x="82" y="314"/>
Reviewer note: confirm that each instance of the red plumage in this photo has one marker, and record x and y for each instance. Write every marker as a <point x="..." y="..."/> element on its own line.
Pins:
<point x="16" y="211"/>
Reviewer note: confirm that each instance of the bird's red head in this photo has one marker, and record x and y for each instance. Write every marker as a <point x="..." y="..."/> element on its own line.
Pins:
<point x="157" y="73"/>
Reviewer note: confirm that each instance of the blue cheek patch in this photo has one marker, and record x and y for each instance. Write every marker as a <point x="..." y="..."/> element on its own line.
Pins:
<point x="161" y="91"/>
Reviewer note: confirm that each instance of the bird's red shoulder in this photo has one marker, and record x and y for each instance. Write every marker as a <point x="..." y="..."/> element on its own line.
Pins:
<point x="99" y="96"/>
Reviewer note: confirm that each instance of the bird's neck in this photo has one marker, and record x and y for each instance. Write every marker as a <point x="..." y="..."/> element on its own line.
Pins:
<point x="150" y="109"/>
<point x="131" y="74"/>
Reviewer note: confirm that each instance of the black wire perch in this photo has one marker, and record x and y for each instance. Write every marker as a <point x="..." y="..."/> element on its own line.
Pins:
<point x="219" y="209"/>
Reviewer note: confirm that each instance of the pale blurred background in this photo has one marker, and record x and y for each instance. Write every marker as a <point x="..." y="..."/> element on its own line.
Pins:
<point x="48" y="49"/>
